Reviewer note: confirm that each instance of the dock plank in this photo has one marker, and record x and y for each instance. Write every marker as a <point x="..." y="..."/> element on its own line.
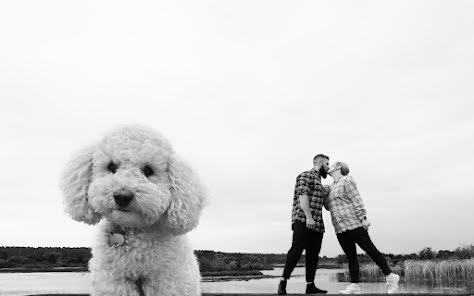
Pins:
<point x="271" y="294"/>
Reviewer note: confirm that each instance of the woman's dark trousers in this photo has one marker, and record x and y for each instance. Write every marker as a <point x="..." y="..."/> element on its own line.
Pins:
<point x="303" y="239"/>
<point x="348" y="240"/>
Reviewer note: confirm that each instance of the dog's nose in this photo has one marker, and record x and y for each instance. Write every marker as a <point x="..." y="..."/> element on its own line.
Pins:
<point x="123" y="197"/>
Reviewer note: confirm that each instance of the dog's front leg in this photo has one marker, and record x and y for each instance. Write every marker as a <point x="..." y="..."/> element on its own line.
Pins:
<point x="171" y="285"/>
<point x="105" y="285"/>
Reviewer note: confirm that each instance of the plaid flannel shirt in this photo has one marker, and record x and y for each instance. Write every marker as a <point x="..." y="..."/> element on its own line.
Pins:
<point x="309" y="183"/>
<point x="345" y="204"/>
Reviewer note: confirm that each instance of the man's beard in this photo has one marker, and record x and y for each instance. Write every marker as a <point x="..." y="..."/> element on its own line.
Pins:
<point x="323" y="172"/>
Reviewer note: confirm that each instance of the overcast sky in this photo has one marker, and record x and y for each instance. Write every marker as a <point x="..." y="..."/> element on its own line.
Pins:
<point x="248" y="92"/>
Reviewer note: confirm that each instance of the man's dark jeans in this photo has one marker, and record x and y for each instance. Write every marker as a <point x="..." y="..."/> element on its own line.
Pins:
<point x="303" y="239"/>
<point x="349" y="239"/>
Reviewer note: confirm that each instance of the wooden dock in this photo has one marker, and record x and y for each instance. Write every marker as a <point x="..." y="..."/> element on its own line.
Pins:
<point x="273" y="294"/>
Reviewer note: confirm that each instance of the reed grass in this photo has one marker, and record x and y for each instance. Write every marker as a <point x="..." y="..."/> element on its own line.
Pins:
<point x="439" y="272"/>
<point x="368" y="272"/>
<point x="435" y="272"/>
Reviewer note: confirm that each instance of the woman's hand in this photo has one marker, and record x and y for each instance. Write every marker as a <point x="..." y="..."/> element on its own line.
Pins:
<point x="327" y="188"/>
<point x="366" y="224"/>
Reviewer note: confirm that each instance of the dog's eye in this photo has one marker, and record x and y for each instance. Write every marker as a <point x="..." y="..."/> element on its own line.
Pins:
<point x="112" y="167"/>
<point x="147" y="171"/>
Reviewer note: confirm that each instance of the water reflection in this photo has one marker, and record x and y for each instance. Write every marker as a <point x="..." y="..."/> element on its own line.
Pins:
<point x="79" y="282"/>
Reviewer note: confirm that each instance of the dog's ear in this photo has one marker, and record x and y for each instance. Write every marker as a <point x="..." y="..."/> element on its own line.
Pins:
<point x="188" y="197"/>
<point x="75" y="181"/>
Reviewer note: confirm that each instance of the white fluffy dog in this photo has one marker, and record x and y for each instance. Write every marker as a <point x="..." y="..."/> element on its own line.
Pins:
<point x="147" y="199"/>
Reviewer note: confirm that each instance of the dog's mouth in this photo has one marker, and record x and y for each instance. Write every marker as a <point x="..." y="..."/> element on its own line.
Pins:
<point x="120" y="209"/>
<point x="127" y="217"/>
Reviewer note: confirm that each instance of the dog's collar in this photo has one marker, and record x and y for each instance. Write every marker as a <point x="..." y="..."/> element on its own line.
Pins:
<point x="116" y="236"/>
<point x="116" y="239"/>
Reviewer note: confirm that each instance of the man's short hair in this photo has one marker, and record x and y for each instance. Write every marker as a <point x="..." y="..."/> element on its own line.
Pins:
<point x="320" y="156"/>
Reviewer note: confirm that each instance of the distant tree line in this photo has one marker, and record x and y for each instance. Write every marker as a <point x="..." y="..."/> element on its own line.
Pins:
<point x="209" y="261"/>
<point x="27" y="257"/>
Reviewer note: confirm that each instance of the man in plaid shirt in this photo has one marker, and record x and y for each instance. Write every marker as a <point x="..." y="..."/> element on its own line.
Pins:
<point x="307" y="223"/>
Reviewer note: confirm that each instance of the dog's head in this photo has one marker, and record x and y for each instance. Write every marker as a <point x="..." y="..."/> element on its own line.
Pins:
<point x="133" y="178"/>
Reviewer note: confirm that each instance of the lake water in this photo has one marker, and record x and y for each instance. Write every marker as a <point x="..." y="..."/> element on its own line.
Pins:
<point x="78" y="282"/>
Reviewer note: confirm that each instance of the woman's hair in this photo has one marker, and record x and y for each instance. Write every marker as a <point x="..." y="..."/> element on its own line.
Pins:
<point x="343" y="166"/>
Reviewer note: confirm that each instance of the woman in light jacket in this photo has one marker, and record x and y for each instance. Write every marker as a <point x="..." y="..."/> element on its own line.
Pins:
<point x="350" y="223"/>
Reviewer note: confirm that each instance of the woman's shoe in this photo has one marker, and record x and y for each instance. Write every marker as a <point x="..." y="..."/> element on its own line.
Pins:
<point x="351" y="289"/>
<point x="392" y="283"/>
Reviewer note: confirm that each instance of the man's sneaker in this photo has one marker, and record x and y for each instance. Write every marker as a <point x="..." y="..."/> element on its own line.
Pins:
<point x="392" y="283"/>
<point x="312" y="289"/>
<point x="351" y="289"/>
<point x="282" y="288"/>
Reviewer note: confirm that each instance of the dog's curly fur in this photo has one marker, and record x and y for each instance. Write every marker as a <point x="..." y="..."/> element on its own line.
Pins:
<point x="155" y="258"/>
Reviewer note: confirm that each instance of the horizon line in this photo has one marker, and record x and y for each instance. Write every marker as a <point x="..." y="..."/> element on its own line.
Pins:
<point x="242" y="252"/>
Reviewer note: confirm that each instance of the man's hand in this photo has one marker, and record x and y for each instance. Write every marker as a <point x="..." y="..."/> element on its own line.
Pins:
<point x="304" y="202"/>
<point x="366" y="224"/>
<point x="310" y="223"/>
